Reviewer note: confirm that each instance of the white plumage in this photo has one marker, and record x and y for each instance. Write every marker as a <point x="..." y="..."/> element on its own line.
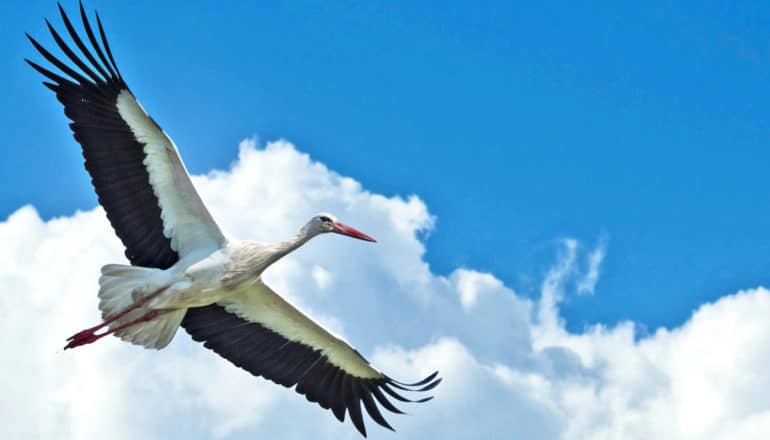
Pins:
<point x="184" y="271"/>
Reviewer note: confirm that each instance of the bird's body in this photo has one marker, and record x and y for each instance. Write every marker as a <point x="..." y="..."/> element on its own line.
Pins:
<point x="184" y="271"/>
<point x="200" y="282"/>
<point x="194" y="281"/>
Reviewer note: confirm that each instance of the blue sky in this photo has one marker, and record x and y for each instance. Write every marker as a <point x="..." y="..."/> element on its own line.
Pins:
<point x="645" y="125"/>
<point x="617" y="151"/>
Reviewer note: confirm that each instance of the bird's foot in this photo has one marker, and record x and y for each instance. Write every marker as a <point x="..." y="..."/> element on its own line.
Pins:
<point x="84" y="337"/>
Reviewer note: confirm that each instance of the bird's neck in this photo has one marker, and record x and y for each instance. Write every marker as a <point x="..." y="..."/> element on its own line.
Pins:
<point x="283" y="248"/>
<point x="251" y="258"/>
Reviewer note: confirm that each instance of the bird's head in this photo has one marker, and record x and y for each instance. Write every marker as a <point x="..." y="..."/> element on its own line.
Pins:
<point x="324" y="222"/>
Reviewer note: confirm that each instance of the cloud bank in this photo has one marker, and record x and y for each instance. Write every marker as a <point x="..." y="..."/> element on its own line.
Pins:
<point x="511" y="368"/>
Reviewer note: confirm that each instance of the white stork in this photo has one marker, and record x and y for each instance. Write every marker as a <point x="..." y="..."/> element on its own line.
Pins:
<point x="184" y="271"/>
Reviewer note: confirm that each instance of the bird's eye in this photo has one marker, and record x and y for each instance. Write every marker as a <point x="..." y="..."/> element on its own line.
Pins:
<point x="324" y="218"/>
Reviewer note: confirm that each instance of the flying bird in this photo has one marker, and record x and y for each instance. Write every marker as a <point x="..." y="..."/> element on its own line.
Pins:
<point x="184" y="270"/>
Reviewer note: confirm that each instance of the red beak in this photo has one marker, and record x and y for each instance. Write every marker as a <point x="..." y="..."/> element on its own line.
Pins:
<point x="343" y="229"/>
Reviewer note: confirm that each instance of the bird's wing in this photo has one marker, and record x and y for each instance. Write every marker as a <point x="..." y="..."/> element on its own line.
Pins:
<point x="262" y="333"/>
<point x="134" y="166"/>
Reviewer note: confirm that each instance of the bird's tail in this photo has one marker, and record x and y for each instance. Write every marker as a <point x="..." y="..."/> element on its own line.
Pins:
<point x="122" y="287"/>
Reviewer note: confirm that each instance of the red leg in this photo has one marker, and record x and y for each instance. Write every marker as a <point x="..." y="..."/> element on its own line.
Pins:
<point x="89" y="335"/>
<point x="93" y="337"/>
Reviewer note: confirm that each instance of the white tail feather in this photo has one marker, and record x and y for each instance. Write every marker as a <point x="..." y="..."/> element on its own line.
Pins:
<point x="121" y="287"/>
<point x="156" y="333"/>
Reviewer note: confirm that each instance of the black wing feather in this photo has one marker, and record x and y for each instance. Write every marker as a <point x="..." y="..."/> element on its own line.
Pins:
<point x="353" y="393"/>
<point x="71" y="55"/>
<point x="106" y="45"/>
<point x="113" y="156"/>
<point x="263" y="352"/>
<point x="371" y="407"/>
<point x="94" y="44"/>
<point x="79" y="43"/>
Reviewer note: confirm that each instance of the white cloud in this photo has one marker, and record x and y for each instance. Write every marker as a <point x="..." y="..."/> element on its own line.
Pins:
<point x="587" y="284"/>
<point x="511" y="368"/>
<point x="323" y="278"/>
<point x="471" y="284"/>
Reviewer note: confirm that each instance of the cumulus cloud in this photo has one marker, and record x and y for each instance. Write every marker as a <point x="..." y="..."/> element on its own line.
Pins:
<point x="511" y="368"/>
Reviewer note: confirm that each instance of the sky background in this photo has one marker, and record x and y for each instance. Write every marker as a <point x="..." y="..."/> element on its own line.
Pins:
<point x="595" y="164"/>
<point x="643" y="124"/>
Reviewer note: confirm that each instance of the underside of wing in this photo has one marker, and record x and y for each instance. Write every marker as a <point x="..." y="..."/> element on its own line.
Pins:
<point x="134" y="166"/>
<point x="259" y="331"/>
